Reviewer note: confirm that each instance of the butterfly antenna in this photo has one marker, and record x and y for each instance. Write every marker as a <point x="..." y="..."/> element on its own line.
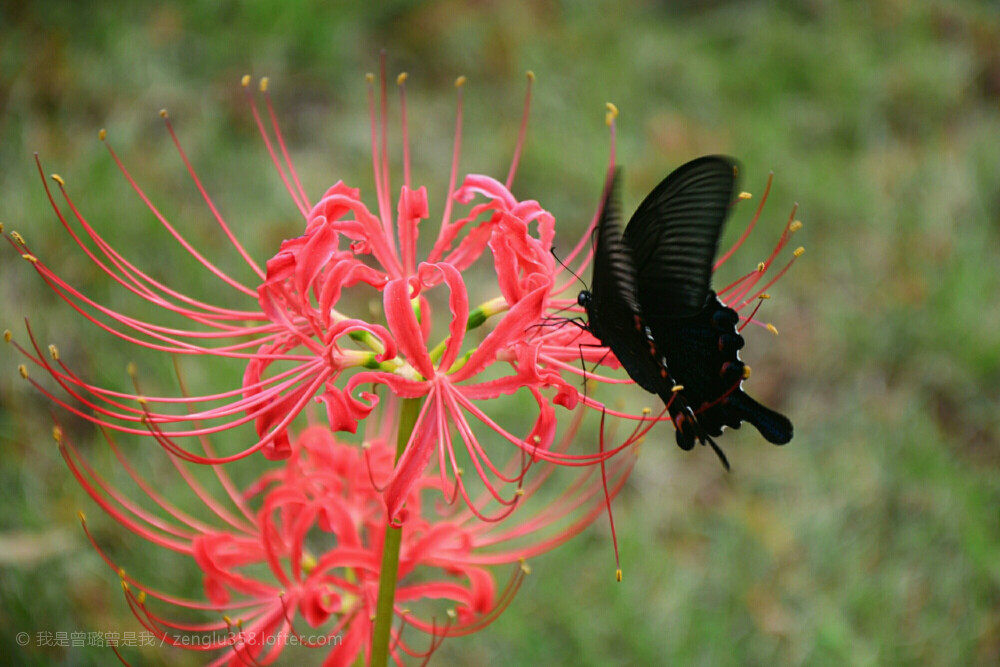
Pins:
<point x="562" y="264"/>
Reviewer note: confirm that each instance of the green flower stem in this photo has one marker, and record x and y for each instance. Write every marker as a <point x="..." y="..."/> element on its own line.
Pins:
<point x="384" y="615"/>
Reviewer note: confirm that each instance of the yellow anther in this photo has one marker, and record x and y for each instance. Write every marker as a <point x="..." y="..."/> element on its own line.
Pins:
<point x="764" y="296"/>
<point x="795" y="226"/>
<point x="17" y="237"/>
<point x="761" y="267"/>
<point x="612" y="113"/>
<point x="124" y="586"/>
<point x="677" y="388"/>
<point x="519" y="493"/>
<point x="130" y="369"/>
<point x="57" y="433"/>
<point x="23" y="370"/>
<point x="103" y="134"/>
<point x="746" y="372"/>
<point x="163" y="113"/>
<point x="141" y="597"/>
<point x="618" y="574"/>
<point x="745" y="195"/>
<point x="7" y="335"/>
<point x="537" y="439"/>
<point x="525" y="568"/>
<point x="1" y="228"/>
<point x="54" y="352"/>
<point x="459" y="471"/>
<point x="263" y="84"/>
<point x="799" y="251"/>
<point x="773" y="329"/>
<point x="58" y="179"/>
<point x="245" y="81"/>
<point x="83" y="517"/>
<point x="309" y="563"/>
<point x="369" y="77"/>
<point x="647" y="411"/>
<point x="531" y="75"/>
<point x="405" y="610"/>
<point x="30" y="258"/>
<point x="451" y="613"/>
<point x="227" y="620"/>
<point x="460" y="81"/>
<point x="401" y="79"/>
<point x="141" y="400"/>
<point x="121" y="573"/>
<point x="366" y="445"/>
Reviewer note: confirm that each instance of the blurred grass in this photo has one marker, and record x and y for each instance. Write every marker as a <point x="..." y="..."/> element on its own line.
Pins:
<point x="872" y="538"/>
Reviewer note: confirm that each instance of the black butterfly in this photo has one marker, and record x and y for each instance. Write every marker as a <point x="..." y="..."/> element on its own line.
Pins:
<point x="652" y="304"/>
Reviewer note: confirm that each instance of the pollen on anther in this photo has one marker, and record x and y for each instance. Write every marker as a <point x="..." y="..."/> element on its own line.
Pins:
<point x="795" y="226"/>
<point x="745" y="195"/>
<point x="58" y="179"/>
<point x="7" y="335"/>
<point x="369" y="77"/>
<point x="263" y="84"/>
<point x="401" y="79"/>
<point x="245" y="81"/>
<point x="519" y="493"/>
<point x="30" y="258"/>
<point x="799" y="251"/>
<point x="83" y="517"/>
<point x="460" y="81"/>
<point x="677" y="387"/>
<point x="761" y="267"/>
<point x="130" y="369"/>
<point x="141" y="597"/>
<point x="17" y="237"/>
<point x="141" y="400"/>
<point x="452" y="614"/>
<point x="618" y="574"/>
<point x="647" y="411"/>
<point x="530" y="74"/>
<point x="23" y="370"/>
<point x="773" y="329"/>
<point x="1" y="228"/>
<point x="54" y="352"/>
<point x="746" y="372"/>
<point x="612" y="113"/>
<point x="57" y="433"/>
<point x="163" y="113"/>
<point x="103" y="134"/>
<point x="525" y="568"/>
<point x="764" y="296"/>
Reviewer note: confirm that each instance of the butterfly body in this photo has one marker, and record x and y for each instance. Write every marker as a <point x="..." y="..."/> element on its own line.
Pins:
<point x="652" y="304"/>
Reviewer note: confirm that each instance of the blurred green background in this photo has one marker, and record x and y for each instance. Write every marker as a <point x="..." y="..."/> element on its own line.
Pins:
<point x="873" y="538"/>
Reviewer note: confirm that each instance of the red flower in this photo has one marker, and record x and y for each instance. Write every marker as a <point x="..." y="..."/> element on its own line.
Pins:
<point x="296" y="556"/>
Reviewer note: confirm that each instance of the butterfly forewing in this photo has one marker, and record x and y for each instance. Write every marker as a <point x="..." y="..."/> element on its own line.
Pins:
<point x="674" y="235"/>
<point x="614" y="314"/>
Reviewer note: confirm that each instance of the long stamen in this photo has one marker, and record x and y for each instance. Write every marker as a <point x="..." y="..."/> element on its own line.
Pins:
<point x="281" y="141"/>
<point x="446" y="218"/>
<point x="401" y="82"/>
<point x="521" y="132"/>
<point x="245" y="82"/>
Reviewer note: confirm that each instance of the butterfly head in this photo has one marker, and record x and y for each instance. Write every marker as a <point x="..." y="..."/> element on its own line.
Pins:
<point x="584" y="298"/>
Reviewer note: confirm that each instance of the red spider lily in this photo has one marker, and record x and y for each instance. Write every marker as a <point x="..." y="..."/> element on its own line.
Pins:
<point x="562" y="348"/>
<point x="298" y="346"/>
<point x="295" y="556"/>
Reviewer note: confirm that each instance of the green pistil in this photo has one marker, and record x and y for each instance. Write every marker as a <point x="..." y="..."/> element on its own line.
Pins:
<point x="477" y="318"/>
